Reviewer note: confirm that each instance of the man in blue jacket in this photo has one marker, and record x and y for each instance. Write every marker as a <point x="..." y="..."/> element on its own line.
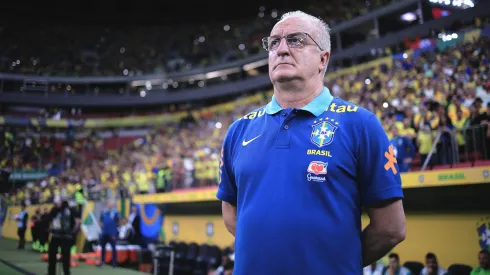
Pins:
<point x="404" y="150"/>
<point x="109" y="220"/>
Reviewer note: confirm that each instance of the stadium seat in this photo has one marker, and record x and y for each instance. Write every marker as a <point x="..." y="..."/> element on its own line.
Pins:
<point x="180" y="256"/>
<point x="459" y="269"/>
<point x="415" y="169"/>
<point x="201" y="260"/>
<point x="481" y="163"/>
<point x="214" y="257"/>
<point x="474" y="156"/>
<point x="133" y="253"/>
<point x="462" y="165"/>
<point x="414" y="267"/>
<point x="190" y="258"/>
<point x="145" y="259"/>
<point x="440" y="167"/>
<point x="165" y="259"/>
<point x="416" y="160"/>
<point x="227" y="251"/>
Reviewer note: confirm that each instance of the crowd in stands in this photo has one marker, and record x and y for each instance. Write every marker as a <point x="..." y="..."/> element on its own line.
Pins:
<point x="118" y="51"/>
<point x="438" y="98"/>
<point x="180" y="154"/>
<point x="444" y="91"/>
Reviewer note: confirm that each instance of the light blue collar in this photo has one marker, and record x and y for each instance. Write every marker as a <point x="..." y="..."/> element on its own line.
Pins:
<point x="317" y="106"/>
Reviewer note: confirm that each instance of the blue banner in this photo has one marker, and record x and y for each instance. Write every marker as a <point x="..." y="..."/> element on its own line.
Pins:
<point x="151" y="220"/>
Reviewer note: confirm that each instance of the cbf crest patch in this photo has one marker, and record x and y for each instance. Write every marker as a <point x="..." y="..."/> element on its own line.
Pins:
<point x="323" y="132"/>
<point x="483" y="229"/>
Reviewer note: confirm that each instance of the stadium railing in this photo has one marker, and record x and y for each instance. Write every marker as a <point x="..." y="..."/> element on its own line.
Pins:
<point x="459" y="148"/>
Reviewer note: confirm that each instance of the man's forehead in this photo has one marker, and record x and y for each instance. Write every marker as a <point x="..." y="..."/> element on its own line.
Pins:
<point x="291" y="25"/>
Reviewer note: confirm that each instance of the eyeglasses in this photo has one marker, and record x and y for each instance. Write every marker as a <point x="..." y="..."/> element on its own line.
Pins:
<point x="293" y="40"/>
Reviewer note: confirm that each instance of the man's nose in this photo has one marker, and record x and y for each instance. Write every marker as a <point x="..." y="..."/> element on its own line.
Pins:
<point x="283" y="48"/>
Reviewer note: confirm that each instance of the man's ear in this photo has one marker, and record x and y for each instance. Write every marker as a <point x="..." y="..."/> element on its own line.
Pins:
<point x="324" y="58"/>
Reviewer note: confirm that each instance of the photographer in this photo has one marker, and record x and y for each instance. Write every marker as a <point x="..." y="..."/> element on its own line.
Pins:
<point x="64" y="225"/>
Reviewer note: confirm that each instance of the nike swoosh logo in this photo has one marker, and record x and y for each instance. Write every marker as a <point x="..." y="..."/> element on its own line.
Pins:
<point x="245" y="143"/>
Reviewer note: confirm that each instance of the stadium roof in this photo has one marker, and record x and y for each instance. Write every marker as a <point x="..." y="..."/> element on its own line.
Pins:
<point x="137" y="11"/>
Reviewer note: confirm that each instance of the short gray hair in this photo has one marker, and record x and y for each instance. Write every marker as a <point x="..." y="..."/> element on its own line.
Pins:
<point x="323" y="31"/>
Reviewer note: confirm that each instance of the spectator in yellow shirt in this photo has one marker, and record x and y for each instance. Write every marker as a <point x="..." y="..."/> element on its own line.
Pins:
<point x="453" y="107"/>
<point x="459" y="123"/>
<point x="424" y="142"/>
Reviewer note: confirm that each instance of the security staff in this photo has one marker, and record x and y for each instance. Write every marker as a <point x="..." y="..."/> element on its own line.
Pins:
<point x="296" y="173"/>
<point x="65" y="222"/>
<point x="79" y="198"/>
<point x="160" y="181"/>
<point x="22" y="219"/>
<point x="110" y="221"/>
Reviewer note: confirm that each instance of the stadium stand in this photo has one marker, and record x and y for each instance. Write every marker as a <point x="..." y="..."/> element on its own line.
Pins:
<point x="437" y="97"/>
<point x="110" y="51"/>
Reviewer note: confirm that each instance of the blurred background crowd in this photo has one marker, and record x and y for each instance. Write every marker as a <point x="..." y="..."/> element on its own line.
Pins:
<point x="118" y="51"/>
<point x="437" y="99"/>
<point x="434" y="104"/>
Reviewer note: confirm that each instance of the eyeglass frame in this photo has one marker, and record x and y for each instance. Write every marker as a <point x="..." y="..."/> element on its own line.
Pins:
<point x="265" y="39"/>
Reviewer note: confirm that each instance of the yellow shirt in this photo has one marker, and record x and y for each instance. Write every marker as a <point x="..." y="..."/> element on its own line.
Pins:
<point x="429" y="117"/>
<point x="408" y="132"/>
<point x="46" y="194"/>
<point x="132" y="189"/>
<point x="142" y="181"/>
<point x="70" y="188"/>
<point x="198" y="166"/>
<point x="425" y="141"/>
<point x="458" y="126"/>
<point x="126" y="177"/>
<point x="399" y="125"/>
<point x="103" y="177"/>
<point x="114" y="184"/>
<point x="451" y="112"/>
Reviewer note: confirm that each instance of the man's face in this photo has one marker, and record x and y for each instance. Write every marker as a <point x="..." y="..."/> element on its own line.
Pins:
<point x="406" y="122"/>
<point x="302" y="63"/>
<point x="431" y="263"/>
<point x="394" y="263"/>
<point x="483" y="260"/>
<point x="459" y="114"/>
<point x="478" y="104"/>
<point x="394" y="132"/>
<point x="457" y="102"/>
